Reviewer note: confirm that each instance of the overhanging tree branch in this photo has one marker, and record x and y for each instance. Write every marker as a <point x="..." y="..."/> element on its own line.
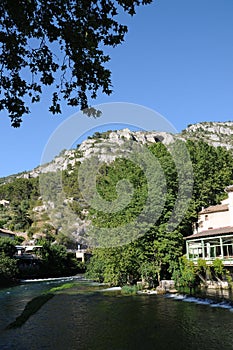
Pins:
<point x="60" y="44"/>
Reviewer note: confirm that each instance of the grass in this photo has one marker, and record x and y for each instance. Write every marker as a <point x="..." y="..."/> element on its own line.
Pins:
<point x="129" y="290"/>
<point x="62" y="287"/>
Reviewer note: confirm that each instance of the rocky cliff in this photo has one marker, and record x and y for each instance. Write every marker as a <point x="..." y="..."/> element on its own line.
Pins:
<point x="107" y="144"/>
<point x="214" y="133"/>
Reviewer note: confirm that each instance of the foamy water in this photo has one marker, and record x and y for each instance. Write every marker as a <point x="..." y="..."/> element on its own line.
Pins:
<point x="202" y="301"/>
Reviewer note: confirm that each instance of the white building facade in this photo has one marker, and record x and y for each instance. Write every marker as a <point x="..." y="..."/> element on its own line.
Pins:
<point x="213" y="235"/>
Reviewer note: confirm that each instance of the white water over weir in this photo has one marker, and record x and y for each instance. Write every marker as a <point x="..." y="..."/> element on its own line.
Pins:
<point x="202" y="301"/>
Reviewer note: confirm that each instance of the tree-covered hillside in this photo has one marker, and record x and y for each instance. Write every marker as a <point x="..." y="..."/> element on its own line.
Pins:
<point x="152" y="255"/>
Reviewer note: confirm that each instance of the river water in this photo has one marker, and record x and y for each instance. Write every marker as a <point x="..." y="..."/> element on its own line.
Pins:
<point x="93" y="319"/>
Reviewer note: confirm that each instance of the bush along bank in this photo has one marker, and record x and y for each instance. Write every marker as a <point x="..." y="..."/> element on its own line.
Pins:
<point x="190" y="275"/>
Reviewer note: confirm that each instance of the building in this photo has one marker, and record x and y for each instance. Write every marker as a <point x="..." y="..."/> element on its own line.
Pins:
<point x="213" y="234"/>
<point x="6" y="233"/>
<point x="4" y="203"/>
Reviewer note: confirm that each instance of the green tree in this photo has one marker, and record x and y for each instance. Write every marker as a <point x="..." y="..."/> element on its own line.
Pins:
<point x="20" y="189"/>
<point x="56" y="261"/>
<point x="8" y="270"/>
<point x="53" y="258"/>
<point x="218" y="268"/>
<point x="155" y="254"/>
<point x="8" y="265"/>
<point x="58" y="43"/>
<point x="7" y="247"/>
<point x="20" y="215"/>
<point x="185" y="275"/>
<point x="212" y="172"/>
<point x="116" y="266"/>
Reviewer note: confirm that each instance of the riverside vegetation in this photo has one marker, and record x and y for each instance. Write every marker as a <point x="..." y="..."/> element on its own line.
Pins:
<point x="54" y="261"/>
<point x="152" y="257"/>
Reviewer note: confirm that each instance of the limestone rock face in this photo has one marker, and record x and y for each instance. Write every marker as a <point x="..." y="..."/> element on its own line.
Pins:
<point x="108" y="145"/>
<point x="214" y="133"/>
<point x="58" y="163"/>
<point x="115" y="143"/>
<point x="106" y="148"/>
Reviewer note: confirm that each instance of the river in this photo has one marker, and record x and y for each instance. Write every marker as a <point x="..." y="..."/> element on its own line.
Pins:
<point x="93" y="319"/>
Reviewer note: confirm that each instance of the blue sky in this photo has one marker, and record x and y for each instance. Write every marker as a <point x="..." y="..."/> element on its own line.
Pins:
<point x="177" y="59"/>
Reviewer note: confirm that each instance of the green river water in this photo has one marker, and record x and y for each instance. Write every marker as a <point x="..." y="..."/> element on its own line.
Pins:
<point x="86" y="317"/>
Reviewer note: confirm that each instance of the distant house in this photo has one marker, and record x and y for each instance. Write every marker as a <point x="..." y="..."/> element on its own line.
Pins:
<point x="10" y="234"/>
<point x="4" y="203"/>
<point x="6" y="233"/>
<point x="213" y="235"/>
<point x="27" y="252"/>
<point x="82" y="253"/>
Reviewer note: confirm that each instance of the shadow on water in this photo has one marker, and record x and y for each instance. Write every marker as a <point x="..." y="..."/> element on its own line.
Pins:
<point x="36" y="303"/>
<point x="31" y="308"/>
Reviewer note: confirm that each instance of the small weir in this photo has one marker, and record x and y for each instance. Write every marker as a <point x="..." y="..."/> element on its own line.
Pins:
<point x="224" y="304"/>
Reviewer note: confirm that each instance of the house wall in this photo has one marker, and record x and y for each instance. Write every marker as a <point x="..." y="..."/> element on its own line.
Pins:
<point x="214" y="220"/>
<point x="230" y="196"/>
<point x="6" y="235"/>
<point x="210" y="247"/>
<point x="217" y="219"/>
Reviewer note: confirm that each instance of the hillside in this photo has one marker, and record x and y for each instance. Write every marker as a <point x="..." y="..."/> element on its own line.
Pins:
<point x="67" y="213"/>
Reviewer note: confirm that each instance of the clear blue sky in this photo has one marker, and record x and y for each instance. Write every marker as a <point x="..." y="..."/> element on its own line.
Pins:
<point x="177" y="59"/>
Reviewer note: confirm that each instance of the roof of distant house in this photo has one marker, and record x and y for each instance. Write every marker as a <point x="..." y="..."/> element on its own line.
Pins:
<point x="8" y="232"/>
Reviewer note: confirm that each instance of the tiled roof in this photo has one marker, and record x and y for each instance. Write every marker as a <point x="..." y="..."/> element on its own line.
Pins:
<point x="214" y="209"/>
<point x="5" y="231"/>
<point x="212" y="232"/>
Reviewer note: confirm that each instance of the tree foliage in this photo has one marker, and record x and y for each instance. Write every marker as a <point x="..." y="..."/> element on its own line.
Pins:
<point x="20" y="189"/>
<point x="59" y="44"/>
<point x="56" y="261"/>
<point x="212" y="172"/>
<point x="157" y="253"/>
<point x="7" y="247"/>
<point x="186" y="275"/>
<point x="116" y="266"/>
<point x="22" y="195"/>
<point x="8" y="270"/>
<point x="8" y="265"/>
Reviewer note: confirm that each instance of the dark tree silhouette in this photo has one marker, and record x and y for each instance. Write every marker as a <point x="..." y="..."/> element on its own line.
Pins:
<point x="58" y="43"/>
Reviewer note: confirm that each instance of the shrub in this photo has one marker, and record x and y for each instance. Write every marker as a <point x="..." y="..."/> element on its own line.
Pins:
<point x="129" y="290"/>
<point x="8" y="270"/>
